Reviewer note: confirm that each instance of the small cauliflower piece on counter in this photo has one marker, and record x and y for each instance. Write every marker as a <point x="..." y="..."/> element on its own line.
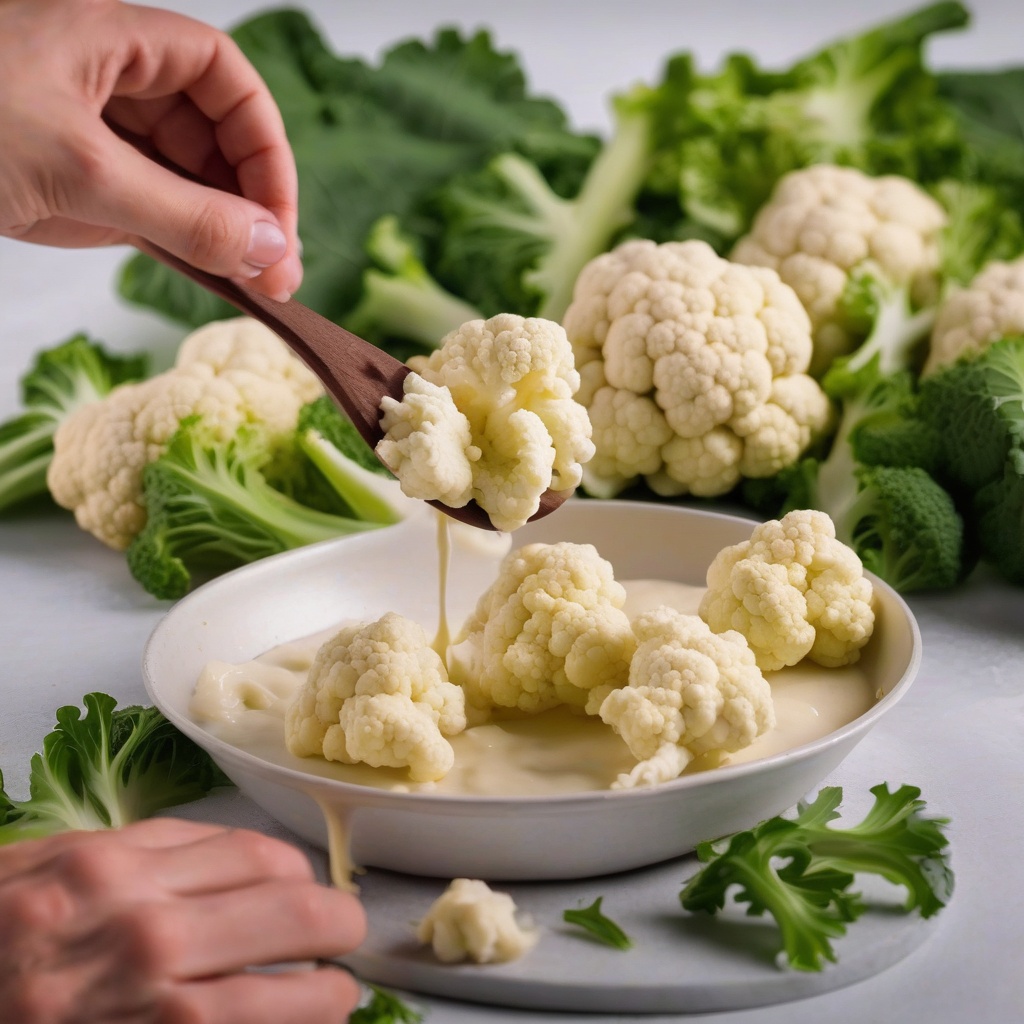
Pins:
<point x="231" y="372"/>
<point x="690" y="692"/>
<point x="692" y="370"/>
<point x="490" y="416"/>
<point x="991" y="307"/>
<point x="824" y="222"/>
<point x="794" y="591"/>
<point x="378" y="694"/>
<point x="470" y="921"/>
<point x="546" y="632"/>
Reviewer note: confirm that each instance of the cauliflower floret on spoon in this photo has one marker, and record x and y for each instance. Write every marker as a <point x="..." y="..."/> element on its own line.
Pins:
<point x="690" y="692"/>
<point x="378" y="694"/>
<point x="490" y="416"/>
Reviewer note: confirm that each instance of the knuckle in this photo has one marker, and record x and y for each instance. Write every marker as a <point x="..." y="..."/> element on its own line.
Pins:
<point x="150" y="941"/>
<point x="273" y="858"/>
<point x="93" y="867"/>
<point x="39" y="909"/>
<point x="211" y="235"/>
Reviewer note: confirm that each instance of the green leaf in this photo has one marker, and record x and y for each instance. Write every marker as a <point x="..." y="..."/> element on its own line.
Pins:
<point x="384" y="1007"/>
<point x="593" y="921"/>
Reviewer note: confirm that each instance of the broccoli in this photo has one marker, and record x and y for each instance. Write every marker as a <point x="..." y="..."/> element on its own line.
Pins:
<point x="105" y="769"/>
<point x="400" y="299"/>
<point x="209" y="508"/>
<point x="800" y="870"/>
<point x="384" y="1007"/>
<point x="976" y="407"/>
<point x="60" y="380"/>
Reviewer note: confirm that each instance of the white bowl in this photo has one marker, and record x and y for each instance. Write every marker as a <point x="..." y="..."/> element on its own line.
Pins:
<point x="246" y="612"/>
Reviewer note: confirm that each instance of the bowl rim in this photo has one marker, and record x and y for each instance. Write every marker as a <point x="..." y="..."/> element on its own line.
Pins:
<point x="373" y="796"/>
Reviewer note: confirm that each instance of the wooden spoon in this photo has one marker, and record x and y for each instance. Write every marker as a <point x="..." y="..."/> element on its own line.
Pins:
<point x="354" y="372"/>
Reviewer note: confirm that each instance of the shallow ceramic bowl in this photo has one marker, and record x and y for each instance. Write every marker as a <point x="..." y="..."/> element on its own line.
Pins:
<point x="246" y="612"/>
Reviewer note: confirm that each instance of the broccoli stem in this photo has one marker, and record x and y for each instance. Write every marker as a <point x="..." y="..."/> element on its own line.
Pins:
<point x="895" y="334"/>
<point x="26" y="450"/>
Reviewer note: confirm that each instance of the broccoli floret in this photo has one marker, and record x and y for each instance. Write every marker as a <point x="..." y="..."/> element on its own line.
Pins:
<point x="801" y="871"/>
<point x="60" y="380"/>
<point x="400" y="298"/>
<point x="210" y="508"/>
<point x="105" y="769"/>
<point x="976" y="408"/>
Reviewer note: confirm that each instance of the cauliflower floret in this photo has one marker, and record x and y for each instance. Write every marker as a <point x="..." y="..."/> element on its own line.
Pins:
<point x="690" y="692"/>
<point x="793" y="591"/>
<point x="501" y="415"/>
<point x="378" y="694"/>
<point x="232" y="372"/>
<point x="989" y="308"/>
<point x="823" y="222"/>
<point x="694" y="369"/>
<point x="470" y="921"/>
<point x="546" y="632"/>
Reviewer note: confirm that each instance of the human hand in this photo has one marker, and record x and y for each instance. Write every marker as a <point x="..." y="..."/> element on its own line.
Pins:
<point x="68" y="179"/>
<point x="158" y="921"/>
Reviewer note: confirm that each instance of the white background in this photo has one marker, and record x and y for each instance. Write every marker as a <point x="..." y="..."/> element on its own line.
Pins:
<point x="71" y="619"/>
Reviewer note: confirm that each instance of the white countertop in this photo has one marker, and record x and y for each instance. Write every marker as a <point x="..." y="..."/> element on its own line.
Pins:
<point x="73" y="620"/>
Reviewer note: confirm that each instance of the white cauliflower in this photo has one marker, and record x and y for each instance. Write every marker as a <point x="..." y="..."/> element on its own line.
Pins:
<point x="490" y="416"/>
<point x="970" y="319"/>
<point x="470" y="921"/>
<point x="546" y="632"/>
<point x="231" y="372"/>
<point x="378" y="694"/>
<point x="691" y="692"/>
<point x="824" y="222"/>
<point x="692" y="370"/>
<point x="794" y="591"/>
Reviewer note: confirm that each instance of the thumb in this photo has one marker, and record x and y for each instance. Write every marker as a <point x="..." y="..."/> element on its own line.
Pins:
<point x="214" y="230"/>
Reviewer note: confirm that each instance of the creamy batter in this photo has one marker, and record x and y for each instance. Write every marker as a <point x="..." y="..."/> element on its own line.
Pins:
<point x="559" y="751"/>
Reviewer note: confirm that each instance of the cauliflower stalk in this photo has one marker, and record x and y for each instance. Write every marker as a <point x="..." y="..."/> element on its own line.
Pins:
<point x="794" y="591"/>
<point x="470" y="921"/>
<point x="490" y="417"/>
<point x="690" y="692"/>
<point x="548" y="630"/>
<point x="378" y="694"/>
<point x="991" y="307"/>
<point x="692" y="370"/>
<point x="232" y="373"/>
<point x="825" y="223"/>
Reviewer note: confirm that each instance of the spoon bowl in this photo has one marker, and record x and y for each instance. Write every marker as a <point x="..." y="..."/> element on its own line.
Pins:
<point x="354" y="372"/>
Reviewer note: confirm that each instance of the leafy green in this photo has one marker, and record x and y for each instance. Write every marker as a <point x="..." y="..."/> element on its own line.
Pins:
<point x="593" y="921"/>
<point x="60" y="380"/>
<point x="209" y="508"/>
<point x="800" y="870"/>
<point x="376" y="140"/>
<point x="384" y="1007"/>
<point x="105" y="769"/>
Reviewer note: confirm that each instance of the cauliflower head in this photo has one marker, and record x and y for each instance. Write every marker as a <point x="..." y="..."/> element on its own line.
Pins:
<point x="970" y="319"/>
<point x="470" y="921"/>
<point x="548" y="630"/>
<point x="692" y="370"/>
<point x="794" y="591"/>
<point x="490" y="416"/>
<point x="824" y="222"/>
<point x="231" y="372"/>
<point x="378" y="694"/>
<point x="690" y="692"/>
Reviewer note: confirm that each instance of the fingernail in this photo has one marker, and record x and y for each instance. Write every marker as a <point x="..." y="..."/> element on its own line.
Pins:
<point x="267" y="245"/>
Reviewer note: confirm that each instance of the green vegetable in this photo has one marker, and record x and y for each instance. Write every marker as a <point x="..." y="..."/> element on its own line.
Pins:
<point x="867" y="101"/>
<point x="209" y="508"/>
<point x="592" y="920"/>
<point x="376" y="140"/>
<point x="60" y="380"/>
<point x="384" y="1007"/>
<point x="400" y="298"/>
<point x="105" y="769"/>
<point x="976" y="408"/>
<point x="800" y="870"/>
